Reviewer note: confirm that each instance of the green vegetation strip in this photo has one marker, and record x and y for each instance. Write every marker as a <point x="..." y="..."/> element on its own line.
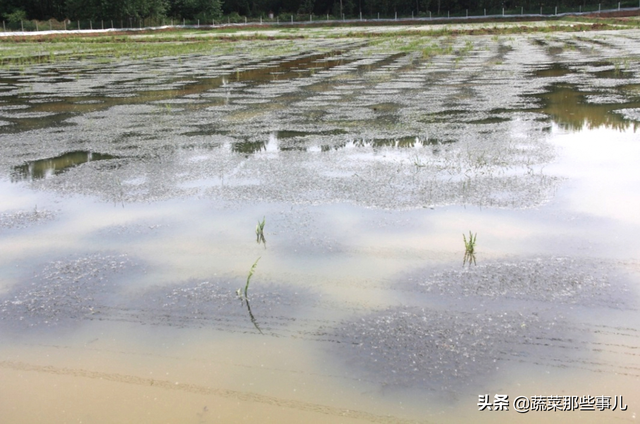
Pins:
<point x="22" y="51"/>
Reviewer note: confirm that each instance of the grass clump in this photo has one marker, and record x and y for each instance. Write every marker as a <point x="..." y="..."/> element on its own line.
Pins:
<point x="470" y="244"/>
<point x="469" y="247"/>
<point x="260" y="232"/>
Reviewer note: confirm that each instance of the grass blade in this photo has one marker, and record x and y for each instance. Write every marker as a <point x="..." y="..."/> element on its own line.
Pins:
<point x="253" y="268"/>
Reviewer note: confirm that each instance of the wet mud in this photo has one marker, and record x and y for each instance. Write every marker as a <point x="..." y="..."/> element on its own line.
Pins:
<point x="546" y="279"/>
<point x="353" y="104"/>
<point x="65" y="293"/>
<point x="62" y="293"/>
<point x="483" y="318"/>
<point x="394" y="110"/>
<point x="441" y="351"/>
<point x="22" y="219"/>
<point x="219" y="304"/>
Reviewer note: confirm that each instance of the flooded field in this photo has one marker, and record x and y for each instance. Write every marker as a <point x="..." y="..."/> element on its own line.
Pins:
<point x="131" y="189"/>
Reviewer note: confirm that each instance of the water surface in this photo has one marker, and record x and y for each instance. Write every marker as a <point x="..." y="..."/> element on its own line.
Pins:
<point x="128" y="226"/>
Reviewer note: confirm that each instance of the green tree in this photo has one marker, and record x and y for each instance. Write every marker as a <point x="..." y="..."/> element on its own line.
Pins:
<point x="306" y="7"/>
<point x="116" y="9"/>
<point x="16" y="16"/>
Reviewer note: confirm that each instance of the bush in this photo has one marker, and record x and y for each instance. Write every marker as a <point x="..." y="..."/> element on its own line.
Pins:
<point x="284" y="17"/>
<point x="235" y="18"/>
<point x="16" y="16"/>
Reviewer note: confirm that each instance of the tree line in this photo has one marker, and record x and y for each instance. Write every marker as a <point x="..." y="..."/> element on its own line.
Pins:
<point x="206" y="10"/>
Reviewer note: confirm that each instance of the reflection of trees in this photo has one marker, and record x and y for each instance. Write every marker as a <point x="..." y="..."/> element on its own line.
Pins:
<point x="39" y="169"/>
<point x="249" y="147"/>
<point x="569" y="109"/>
<point x="399" y="143"/>
<point x="402" y="142"/>
<point x="556" y="70"/>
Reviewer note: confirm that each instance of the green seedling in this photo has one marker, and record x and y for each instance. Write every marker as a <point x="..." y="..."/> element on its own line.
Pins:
<point x="469" y="245"/>
<point x="260" y="232"/>
<point x="260" y="227"/>
<point x="251" y="271"/>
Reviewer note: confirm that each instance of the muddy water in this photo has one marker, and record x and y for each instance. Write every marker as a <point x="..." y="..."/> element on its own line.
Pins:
<point x="127" y="228"/>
